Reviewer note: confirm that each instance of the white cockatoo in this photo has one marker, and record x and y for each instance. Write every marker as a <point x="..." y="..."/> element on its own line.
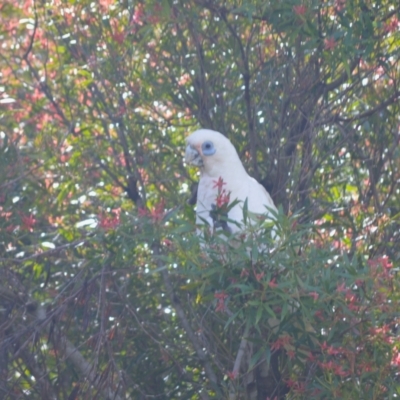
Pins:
<point x="223" y="178"/>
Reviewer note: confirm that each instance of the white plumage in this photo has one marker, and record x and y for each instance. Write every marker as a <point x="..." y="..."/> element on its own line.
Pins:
<point x="217" y="158"/>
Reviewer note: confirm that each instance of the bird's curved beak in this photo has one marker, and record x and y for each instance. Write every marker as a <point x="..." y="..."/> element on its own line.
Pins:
<point x="193" y="157"/>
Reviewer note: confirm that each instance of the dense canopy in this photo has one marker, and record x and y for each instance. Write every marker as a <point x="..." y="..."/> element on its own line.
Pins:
<point x="105" y="290"/>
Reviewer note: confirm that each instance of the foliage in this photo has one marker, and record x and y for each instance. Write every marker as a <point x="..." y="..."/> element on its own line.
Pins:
<point x="106" y="291"/>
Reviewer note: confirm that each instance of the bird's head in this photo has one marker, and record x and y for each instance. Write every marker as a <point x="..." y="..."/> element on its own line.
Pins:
<point x="211" y="151"/>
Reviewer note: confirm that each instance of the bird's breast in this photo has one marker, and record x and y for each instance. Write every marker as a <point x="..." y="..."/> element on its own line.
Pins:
<point x="206" y="195"/>
<point x="206" y="207"/>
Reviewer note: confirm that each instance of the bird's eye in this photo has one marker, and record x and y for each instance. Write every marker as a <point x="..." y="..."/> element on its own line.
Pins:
<point x="208" y="148"/>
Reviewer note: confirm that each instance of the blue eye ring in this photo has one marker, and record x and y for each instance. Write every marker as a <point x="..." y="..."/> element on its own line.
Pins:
<point x="208" y="148"/>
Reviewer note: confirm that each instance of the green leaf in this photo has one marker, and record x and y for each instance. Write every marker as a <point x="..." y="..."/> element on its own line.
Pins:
<point x="259" y="314"/>
<point x="254" y="253"/>
<point x="255" y="358"/>
<point x="245" y="211"/>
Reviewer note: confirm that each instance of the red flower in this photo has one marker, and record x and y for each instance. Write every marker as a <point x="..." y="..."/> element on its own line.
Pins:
<point x="290" y="382"/>
<point x="340" y="4"/>
<point x="324" y="345"/>
<point x="332" y="351"/>
<point x="311" y="357"/>
<point x="232" y="375"/>
<point x="272" y="283"/>
<point x="219" y="183"/>
<point x="167" y="242"/>
<point x="28" y="222"/>
<point x="383" y="261"/>
<point x="337" y="369"/>
<point x="392" y="25"/>
<point x="119" y="37"/>
<point x="259" y="276"/>
<point x="379" y="331"/>
<point x="300" y="9"/>
<point x="220" y="296"/>
<point x="329" y="43"/>
<point x="138" y="15"/>
<point x="314" y="295"/>
<point x="291" y="354"/>
<point x="282" y="341"/>
<point x="298" y="387"/>
<point x="10" y="228"/>
<point x="396" y="360"/>
<point x="108" y="223"/>
<point x="341" y="288"/>
<point x="121" y="111"/>
<point x="223" y="198"/>
<point x="156" y="213"/>
<point x="354" y="307"/>
<point x="319" y="314"/>
<point x="244" y="273"/>
<point x="142" y="212"/>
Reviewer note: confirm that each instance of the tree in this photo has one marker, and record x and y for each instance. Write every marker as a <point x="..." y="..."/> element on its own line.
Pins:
<point x="105" y="292"/>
